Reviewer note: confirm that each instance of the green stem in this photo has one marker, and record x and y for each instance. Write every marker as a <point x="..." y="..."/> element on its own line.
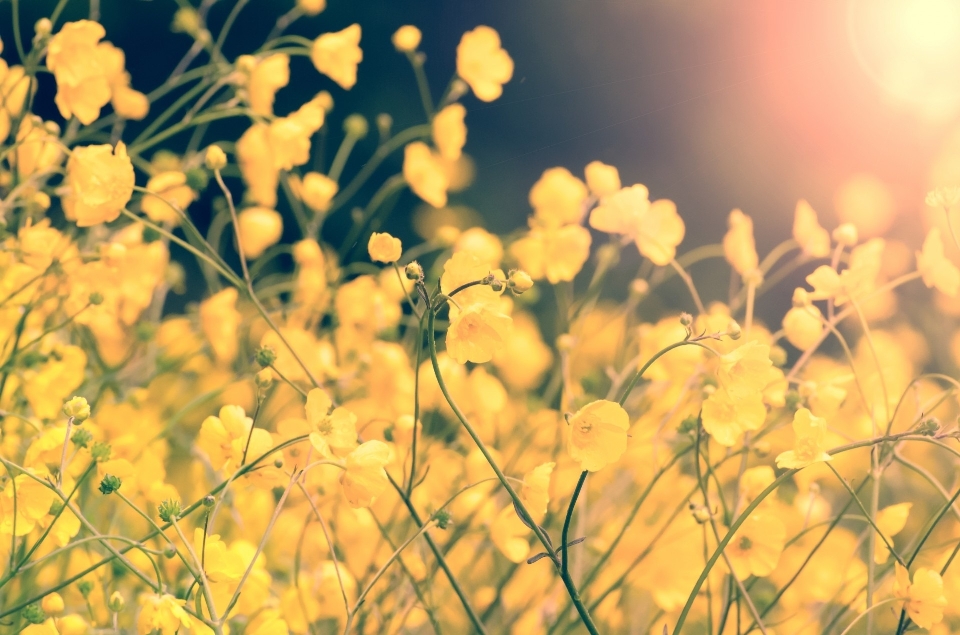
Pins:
<point x="564" y="535"/>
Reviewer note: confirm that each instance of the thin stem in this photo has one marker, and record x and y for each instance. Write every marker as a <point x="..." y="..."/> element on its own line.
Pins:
<point x="869" y="518"/>
<point x="564" y="536"/>
<point x="867" y="612"/>
<point x="63" y="453"/>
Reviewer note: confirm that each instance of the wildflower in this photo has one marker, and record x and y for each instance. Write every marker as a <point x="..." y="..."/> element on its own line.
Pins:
<point x="756" y="547"/>
<point x="481" y="243"/>
<point x="52" y="604"/>
<point x="383" y="247"/>
<point x="173" y="196"/>
<point x="267" y="622"/>
<point x="557" y="198"/>
<point x="536" y="489"/>
<point x="109" y="484"/>
<point x="935" y="268"/>
<point x="255" y="159"/>
<point x="924" y="600"/>
<point x="364" y="478"/>
<point x="890" y="521"/>
<point x="116" y="602"/>
<point x="219" y="564"/>
<point x="100" y="181"/>
<point x="169" y="510"/>
<point x="317" y="191"/>
<point x="483" y="64"/>
<point x="224" y="437"/>
<point x="476" y="333"/>
<point x="220" y="321"/>
<point x="813" y="239"/>
<point x="803" y="326"/>
<point x="332" y="431"/>
<point x="739" y="247"/>
<point x="747" y="369"/>
<point x="127" y="102"/>
<point x="424" y="174"/>
<point x="602" y="179"/>
<point x="945" y="197"/>
<point x="406" y="39"/>
<point x="598" y="434"/>
<point x="520" y="281"/>
<point x="449" y="131"/>
<point x="857" y="279"/>
<point x="808" y="446"/>
<point x="289" y="137"/>
<point x="265" y="78"/>
<point x="461" y="269"/>
<point x="77" y="409"/>
<point x="656" y="228"/>
<point x="846" y="234"/>
<point x="726" y="416"/>
<point x="215" y="158"/>
<point x="259" y="228"/>
<point x="556" y="254"/>
<point x="162" y="613"/>
<point x="312" y="7"/>
<point x="337" y="55"/>
<point x="82" y="83"/>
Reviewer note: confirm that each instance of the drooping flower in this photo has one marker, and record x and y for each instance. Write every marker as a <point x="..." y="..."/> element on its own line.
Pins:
<point x="935" y="268"/>
<point x="383" y="247"/>
<point x="598" y="434"/>
<point x="808" y="446"/>
<point x="756" y="547"/>
<point x="364" y="478"/>
<point x="337" y="55"/>
<point x="483" y="64"/>
<point x="100" y="183"/>
<point x="803" y="324"/>
<point x="924" y="598"/>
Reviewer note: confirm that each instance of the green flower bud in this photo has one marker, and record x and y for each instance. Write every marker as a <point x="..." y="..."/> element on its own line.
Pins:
<point x="96" y="298"/>
<point x="197" y="179"/>
<point x="33" y="614"/>
<point x="85" y="587"/>
<point x="266" y="356"/>
<point x="169" y="510"/>
<point x="170" y="552"/>
<point x="101" y="451"/>
<point x="443" y="518"/>
<point x="151" y="235"/>
<point x="116" y="602"/>
<point x="356" y="126"/>
<point x="209" y="501"/>
<point x="496" y="285"/>
<point x="109" y="484"/>
<point x="81" y="438"/>
<point x="688" y="425"/>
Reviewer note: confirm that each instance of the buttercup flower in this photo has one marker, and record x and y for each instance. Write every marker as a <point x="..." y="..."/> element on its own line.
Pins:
<point x="317" y="191"/>
<point x="337" y="55"/>
<point x="162" y="613"/>
<point x="334" y="431"/>
<point x="449" y="131"/>
<point x="557" y="198"/>
<point x="424" y="174"/>
<point x="406" y="39"/>
<point x="890" y="521"/>
<point x="259" y="228"/>
<point x="83" y="87"/>
<point x="171" y="189"/>
<point x="476" y="333"/>
<point x="383" y="247"/>
<point x="100" y="183"/>
<point x="739" y="247"/>
<point x="602" y="179"/>
<point x="756" y="547"/>
<point x="598" y="434"/>
<point x="924" y="598"/>
<point x="726" y="416"/>
<point x="483" y="64"/>
<point x="266" y="77"/>
<point x="555" y="254"/>
<point x="936" y="269"/>
<point x="808" y="446"/>
<point x="364" y="478"/>
<point x="813" y="239"/>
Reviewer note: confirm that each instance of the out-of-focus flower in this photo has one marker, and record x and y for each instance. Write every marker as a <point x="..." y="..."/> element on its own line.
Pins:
<point x="557" y="198"/>
<point x="425" y="174"/>
<point x="337" y="55"/>
<point x="924" y="600"/>
<point x="162" y="613"/>
<point x="383" y="247"/>
<point x="739" y="247"/>
<point x="756" y="547"/>
<point x="813" y="239"/>
<point x="483" y="64"/>
<point x="945" y="197"/>
<point x="890" y="521"/>
<point x="259" y="228"/>
<point x="100" y="183"/>
<point x="171" y="189"/>
<point x="556" y="254"/>
<point x="808" y="447"/>
<point x="935" y="268"/>
<point x="602" y="179"/>
<point x="406" y="39"/>
<point x="364" y="478"/>
<point x="476" y="333"/>
<point x="449" y="131"/>
<point x="317" y="191"/>
<point x="83" y="87"/>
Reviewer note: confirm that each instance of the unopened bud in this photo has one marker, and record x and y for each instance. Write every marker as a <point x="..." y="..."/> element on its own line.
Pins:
<point x="356" y="126"/>
<point x="443" y="518"/>
<point x="846" y="234"/>
<point x="43" y="27"/>
<point x="413" y="271"/>
<point x="753" y="278"/>
<point x="801" y="298"/>
<point x="101" y="451"/>
<point x="169" y="510"/>
<point x="733" y="330"/>
<point x="170" y="552"/>
<point x="77" y="409"/>
<point x="520" y="281"/>
<point x="96" y="298"/>
<point x="209" y="501"/>
<point x="278" y="463"/>
<point x="216" y="158"/>
<point x="266" y="356"/>
<point x="109" y="484"/>
<point x="686" y="319"/>
<point x="700" y="513"/>
<point x="116" y="602"/>
<point x="639" y="287"/>
<point x="778" y="356"/>
<point x="81" y="438"/>
<point x="33" y="613"/>
<point x="496" y="285"/>
<point x="85" y="587"/>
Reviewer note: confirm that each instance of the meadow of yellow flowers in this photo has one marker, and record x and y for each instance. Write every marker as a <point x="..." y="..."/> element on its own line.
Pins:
<point x="385" y="442"/>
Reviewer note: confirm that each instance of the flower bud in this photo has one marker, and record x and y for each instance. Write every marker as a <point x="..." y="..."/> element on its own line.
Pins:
<point x="413" y="271"/>
<point x="266" y="356"/>
<point x="384" y="124"/>
<point x="801" y="298"/>
<point x="356" y="126"/>
<point x="52" y="603"/>
<point x="216" y="158"/>
<point x="566" y="342"/>
<point x="101" y="451"/>
<point x="77" y="409"/>
<point x="85" y="587"/>
<point x="753" y="278"/>
<point x="520" y="281"/>
<point x="186" y="20"/>
<point x="406" y="39"/>
<point x="96" y="298"/>
<point x="700" y="513"/>
<point x="169" y="510"/>
<point x="109" y="484"/>
<point x="733" y="330"/>
<point x="312" y="7"/>
<point x="209" y="501"/>
<point x="278" y="463"/>
<point x="33" y="613"/>
<point x="446" y="235"/>
<point x="43" y="26"/>
<point x="778" y="356"/>
<point x="639" y="287"/>
<point x="263" y="379"/>
<point x="170" y="552"/>
<point x="686" y="319"/>
<point x="443" y="518"/>
<point x="116" y="602"/>
<point x="846" y="234"/>
<point x="81" y="438"/>
<point x="496" y="285"/>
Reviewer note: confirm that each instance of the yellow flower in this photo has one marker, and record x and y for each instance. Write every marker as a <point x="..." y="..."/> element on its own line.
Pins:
<point x="364" y="478"/>
<point x="463" y="268"/>
<point x="266" y="77"/>
<point x="259" y="228"/>
<point x="890" y="521"/>
<point x="223" y="438"/>
<point x="726" y="416"/>
<point x="38" y="147"/>
<point x="218" y="563"/>
<point x="656" y="228"/>
<point x="317" y="191"/>
<point x="556" y="254"/>
<point x="82" y="83"/>
<point x="739" y="247"/>
<point x="622" y="211"/>
<point x="220" y="323"/>
<point x="337" y="55"/>
<point x="424" y="174"/>
<point x="255" y="159"/>
<point x="100" y="181"/>
<point x="803" y="326"/>
<point x="267" y="622"/>
<point x="476" y="333"/>
<point x="602" y="179"/>
<point x="162" y="613"/>
<point x="33" y="501"/>
<point x="171" y="189"/>
<point x="747" y="369"/>
<point x="508" y="532"/>
<point x="312" y="7"/>
<point x="936" y="269"/>
<point x="13" y="87"/>
<point x="383" y="247"/>
<point x="813" y="239"/>
<point x="808" y="446"/>
<point x="557" y="198"/>
<point x="127" y="102"/>
<point x="856" y="280"/>
<point x="335" y="430"/>
<point x="47" y="627"/>
<point x="449" y="131"/>
<point x="535" y="490"/>
<point x="289" y="137"/>
<point x="483" y="64"/>
<point x="924" y="598"/>
<point x="406" y="39"/>
<point x="756" y="547"/>
<point x="598" y="434"/>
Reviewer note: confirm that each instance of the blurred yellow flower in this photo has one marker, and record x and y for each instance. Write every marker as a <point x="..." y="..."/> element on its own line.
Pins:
<point x="557" y="198"/>
<point x="220" y="322"/>
<point x="424" y="174"/>
<point x="100" y="183"/>
<point x="739" y="247"/>
<point x="171" y="189"/>
<point x="266" y="77"/>
<point x="803" y="326"/>
<point x="756" y="547"/>
<point x="483" y="64"/>
<point x="598" y="434"/>
<point x="924" y="598"/>
<point x="449" y="131"/>
<point x="337" y="55"/>
<point x="808" y="446"/>
<point x="726" y="416"/>
<point x="259" y="228"/>
<point x="331" y="432"/>
<point x="556" y="254"/>
<point x="406" y="39"/>
<point x="83" y="87"/>
<point x="936" y="269"/>
<point x="383" y="247"/>
<point x="162" y="613"/>
<point x="602" y="179"/>
<point x="317" y="191"/>
<point x="813" y="239"/>
<point x="476" y="333"/>
<point x="890" y="521"/>
<point x="364" y="478"/>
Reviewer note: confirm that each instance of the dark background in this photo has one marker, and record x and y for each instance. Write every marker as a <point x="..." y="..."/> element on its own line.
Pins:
<point x="714" y="104"/>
